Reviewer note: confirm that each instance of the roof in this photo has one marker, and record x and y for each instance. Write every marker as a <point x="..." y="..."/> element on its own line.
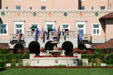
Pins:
<point x="4" y="45"/>
<point x="106" y="45"/>
<point x="107" y="16"/>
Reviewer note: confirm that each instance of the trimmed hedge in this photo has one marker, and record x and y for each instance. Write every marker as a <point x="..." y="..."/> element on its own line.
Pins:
<point x="12" y="58"/>
<point x="1" y="64"/>
<point x="105" y="58"/>
<point x="4" y="51"/>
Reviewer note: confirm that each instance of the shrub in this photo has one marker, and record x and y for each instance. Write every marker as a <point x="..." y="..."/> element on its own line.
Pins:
<point x="4" y="51"/>
<point x="13" y="58"/>
<point x="25" y="56"/>
<point x="98" y="51"/>
<point x="1" y="64"/>
<point x="91" y="57"/>
<point x="109" y="59"/>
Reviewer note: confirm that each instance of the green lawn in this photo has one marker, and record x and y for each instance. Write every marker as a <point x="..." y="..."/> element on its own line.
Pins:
<point x="56" y="71"/>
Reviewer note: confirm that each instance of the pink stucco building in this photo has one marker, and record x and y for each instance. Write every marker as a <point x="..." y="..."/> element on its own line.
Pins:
<point x="74" y="15"/>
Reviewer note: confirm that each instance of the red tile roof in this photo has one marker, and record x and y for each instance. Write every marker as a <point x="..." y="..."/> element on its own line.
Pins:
<point x="106" y="45"/>
<point x="4" y="45"/>
<point x="108" y="16"/>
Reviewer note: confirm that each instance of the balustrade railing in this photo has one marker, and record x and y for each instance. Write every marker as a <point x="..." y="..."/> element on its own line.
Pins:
<point x="69" y="34"/>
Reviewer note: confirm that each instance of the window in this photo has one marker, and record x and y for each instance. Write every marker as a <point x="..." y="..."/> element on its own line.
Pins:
<point x="43" y="7"/>
<point x="81" y="27"/>
<point x="82" y="8"/>
<point x="18" y="28"/>
<point x="6" y="7"/>
<point x="102" y="7"/>
<point x="65" y="26"/>
<point x="96" y="29"/>
<point x="3" y="29"/>
<point x="50" y="27"/>
<point x="18" y="7"/>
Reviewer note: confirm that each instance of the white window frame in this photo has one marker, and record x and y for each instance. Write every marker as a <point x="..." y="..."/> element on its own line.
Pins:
<point x="19" y="22"/>
<point x="50" y="22"/>
<point x="83" y="23"/>
<point x="96" y="29"/>
<point x="6" y="29"/>
<point x="65" y="24"/>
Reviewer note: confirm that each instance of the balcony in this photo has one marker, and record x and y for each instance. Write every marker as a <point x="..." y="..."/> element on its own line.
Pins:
<point x="86" y="38"/>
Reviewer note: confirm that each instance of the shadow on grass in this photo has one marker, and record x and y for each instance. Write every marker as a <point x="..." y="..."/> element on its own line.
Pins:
<point x="2" y="69"/>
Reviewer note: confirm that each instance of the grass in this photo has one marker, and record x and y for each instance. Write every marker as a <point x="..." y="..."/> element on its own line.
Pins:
<point x="57" y="71"/>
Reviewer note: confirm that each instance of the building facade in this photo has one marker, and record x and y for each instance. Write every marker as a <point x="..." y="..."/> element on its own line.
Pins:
<point x="74" y="15"/>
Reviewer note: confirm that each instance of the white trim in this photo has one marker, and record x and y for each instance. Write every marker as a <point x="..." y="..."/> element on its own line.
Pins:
<point x="81" y="22"/>
<point x="65" y="24"/>
<point x="49" y="22"/>
<point x="19" y="22"/>
<point x="99" y="29"/>
<point x="6" y="30"/>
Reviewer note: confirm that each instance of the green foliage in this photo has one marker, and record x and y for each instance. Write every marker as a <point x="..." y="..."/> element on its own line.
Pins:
<point x="109" y="59"/>
<point x="105" y="58"/>
<point x="97" y="54"/>
<point x="12" y="58"/>
<point x="1" y="64"/>
<point x="4" y="51"/>
<point x="88" y="56"/>
<point x="25" y="56"/>
<point x="98" y="51"/>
